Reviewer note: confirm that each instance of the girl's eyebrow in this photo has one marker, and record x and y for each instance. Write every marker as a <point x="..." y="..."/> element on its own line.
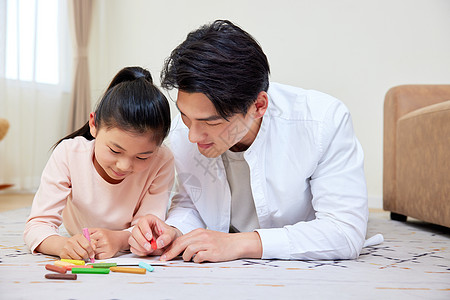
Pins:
<point x="121" y="148"/>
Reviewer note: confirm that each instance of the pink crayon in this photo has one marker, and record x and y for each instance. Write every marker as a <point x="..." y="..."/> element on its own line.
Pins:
<point x="88" y="237"/>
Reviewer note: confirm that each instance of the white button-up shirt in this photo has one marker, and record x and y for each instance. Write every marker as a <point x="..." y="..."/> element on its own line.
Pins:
<point x="306" y="174"/>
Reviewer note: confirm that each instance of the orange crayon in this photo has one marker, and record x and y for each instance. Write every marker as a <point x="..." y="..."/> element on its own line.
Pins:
<point x="128" y="270"/>
<point x="56" y="268"/>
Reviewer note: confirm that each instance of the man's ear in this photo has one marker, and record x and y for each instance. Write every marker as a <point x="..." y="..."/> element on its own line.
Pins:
<point x="92" y="127"/>
<point x="261" y="103"/>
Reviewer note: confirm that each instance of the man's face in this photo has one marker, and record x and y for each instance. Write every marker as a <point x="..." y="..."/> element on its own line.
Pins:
<point x="213" y="134"/>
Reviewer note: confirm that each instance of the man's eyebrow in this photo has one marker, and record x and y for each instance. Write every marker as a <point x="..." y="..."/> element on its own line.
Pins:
<point x="121" y="148"/>
<point x="210" y="118"/>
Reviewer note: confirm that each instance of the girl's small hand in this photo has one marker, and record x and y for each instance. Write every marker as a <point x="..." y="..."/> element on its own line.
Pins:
<point x="108" y="242"/>
<point x="77" y="247"/>
<point x="149" y="228"/>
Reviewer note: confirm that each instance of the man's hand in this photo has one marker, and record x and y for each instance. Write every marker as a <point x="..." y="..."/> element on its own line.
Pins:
<point x="148" y="228"/>
<point x="202" y="245"/>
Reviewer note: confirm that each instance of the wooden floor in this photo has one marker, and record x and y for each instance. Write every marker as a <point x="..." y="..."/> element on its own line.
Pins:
<point x="10" y="201"/>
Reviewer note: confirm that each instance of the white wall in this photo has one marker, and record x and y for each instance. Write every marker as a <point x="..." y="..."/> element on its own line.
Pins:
<point x="353" y="50"/>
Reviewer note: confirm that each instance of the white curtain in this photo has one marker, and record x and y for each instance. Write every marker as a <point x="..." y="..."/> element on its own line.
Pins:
<point x="80" y="12"/>
<point x="34" y="87"/>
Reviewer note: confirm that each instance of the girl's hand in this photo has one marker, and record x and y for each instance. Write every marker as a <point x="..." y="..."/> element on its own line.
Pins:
<point x="76" y="247"/>
<point x="108" y="242"/>
<point x="149" y="228"/>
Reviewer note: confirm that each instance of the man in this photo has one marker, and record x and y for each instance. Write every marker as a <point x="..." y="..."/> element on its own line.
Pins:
<point x="264" y="170"/>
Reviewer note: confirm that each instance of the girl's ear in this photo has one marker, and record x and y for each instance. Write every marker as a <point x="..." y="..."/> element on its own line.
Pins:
<point x="261" y="103"/>
<point x="92" y="127"/>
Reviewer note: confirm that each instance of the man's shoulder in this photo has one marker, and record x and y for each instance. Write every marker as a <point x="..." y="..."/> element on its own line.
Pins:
<point x="294" y="103"/>
<point x="178" y="140"/>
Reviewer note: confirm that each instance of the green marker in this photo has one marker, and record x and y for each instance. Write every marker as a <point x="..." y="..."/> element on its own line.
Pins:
<point x="104" y="265"/>
<point x="90" y="271"/>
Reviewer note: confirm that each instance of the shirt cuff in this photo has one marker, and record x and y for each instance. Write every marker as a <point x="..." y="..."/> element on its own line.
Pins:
<point x="130" y="229"/>
<point x="180" y="226"/>
<point x="275" y="243"/>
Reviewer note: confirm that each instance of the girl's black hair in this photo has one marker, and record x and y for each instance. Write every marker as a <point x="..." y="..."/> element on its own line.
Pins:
<point x="221" y="61"/>
<point x="132" y="103"/>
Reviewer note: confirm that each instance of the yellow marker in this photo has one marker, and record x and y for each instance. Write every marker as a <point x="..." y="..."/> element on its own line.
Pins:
<point x="128" y="270"/>
<point x="62" y="263"/>
<point x="74" y="261"/>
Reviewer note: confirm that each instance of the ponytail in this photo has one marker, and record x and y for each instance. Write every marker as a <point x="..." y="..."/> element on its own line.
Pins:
<point x="131" y="103"/>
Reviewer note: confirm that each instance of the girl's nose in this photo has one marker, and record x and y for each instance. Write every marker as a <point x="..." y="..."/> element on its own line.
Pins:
<point x="124" y="164"/>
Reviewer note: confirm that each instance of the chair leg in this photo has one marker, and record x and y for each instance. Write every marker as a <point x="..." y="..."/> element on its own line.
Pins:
<point x="398" y="217"/>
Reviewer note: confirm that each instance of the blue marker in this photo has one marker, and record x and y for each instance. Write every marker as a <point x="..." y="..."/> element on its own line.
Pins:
<point x="146" y="266"/>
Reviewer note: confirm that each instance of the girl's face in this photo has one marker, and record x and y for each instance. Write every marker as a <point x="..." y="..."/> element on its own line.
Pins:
<point x="119" y="153"/>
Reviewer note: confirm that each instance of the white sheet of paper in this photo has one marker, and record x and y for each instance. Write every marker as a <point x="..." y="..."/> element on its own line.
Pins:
<point x="133" y="259"/>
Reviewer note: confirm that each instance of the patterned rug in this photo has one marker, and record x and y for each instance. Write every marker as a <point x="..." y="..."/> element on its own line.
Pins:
<point x="413" y="262"/>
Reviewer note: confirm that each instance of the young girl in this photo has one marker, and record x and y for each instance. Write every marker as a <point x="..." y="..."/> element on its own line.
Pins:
<point x="106" y="175"/>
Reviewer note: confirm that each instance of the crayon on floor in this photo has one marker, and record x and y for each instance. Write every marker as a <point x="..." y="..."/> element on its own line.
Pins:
<point x="69" y="268"/>
<point x="146" y="266"/>
<point x="61" y="276"/>
<point x="62" y="263"/>
<point x="74" y="261"/>
<point x="128" y="270"/>
<point x="54" y="268"/>
<point x="90" y="271"/>
<point x="103" y="265"/>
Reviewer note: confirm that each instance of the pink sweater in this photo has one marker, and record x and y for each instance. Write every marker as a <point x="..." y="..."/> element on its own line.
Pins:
<point x="71" y="191"/>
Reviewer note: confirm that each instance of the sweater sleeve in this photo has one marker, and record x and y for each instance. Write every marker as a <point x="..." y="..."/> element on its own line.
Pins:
<point x="49" y="201"/>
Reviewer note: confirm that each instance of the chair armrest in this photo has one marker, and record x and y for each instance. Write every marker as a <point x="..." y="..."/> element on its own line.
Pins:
<point x="423" y="163"/>
<point x="399" y="101"/>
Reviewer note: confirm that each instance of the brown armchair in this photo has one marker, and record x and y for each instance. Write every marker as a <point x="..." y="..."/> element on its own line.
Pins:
<point x="4" y="126"/>
<point x="416" y="153"/>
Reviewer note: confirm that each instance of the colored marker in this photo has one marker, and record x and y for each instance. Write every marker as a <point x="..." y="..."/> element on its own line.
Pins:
<point x="54" y="268"/>
<point x="153" y="243"/>
<point x="128" y="270"/>
<point x="61" y="276"/>
<point x="90" y="271"/>
<point x="146" y="266"/>
<point x="88" y="237"/>
<point x="74" y="261"/>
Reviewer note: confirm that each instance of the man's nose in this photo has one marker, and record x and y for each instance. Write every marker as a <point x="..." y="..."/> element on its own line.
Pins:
<point x="196" y="133"/>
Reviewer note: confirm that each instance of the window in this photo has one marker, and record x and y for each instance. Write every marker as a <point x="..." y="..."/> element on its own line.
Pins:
<point x="32" y="41"/>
